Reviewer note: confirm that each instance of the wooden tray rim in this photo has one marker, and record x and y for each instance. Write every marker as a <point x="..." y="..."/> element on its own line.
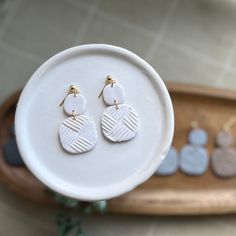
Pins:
<point x="141" y="201"/>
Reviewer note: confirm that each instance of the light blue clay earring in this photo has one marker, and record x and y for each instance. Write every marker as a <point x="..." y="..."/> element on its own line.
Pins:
<point x="194" y="158"/>
<point x="170" y="164"/>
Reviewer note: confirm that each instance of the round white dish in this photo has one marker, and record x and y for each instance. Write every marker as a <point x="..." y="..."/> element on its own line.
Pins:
<point x="110" y="169"/>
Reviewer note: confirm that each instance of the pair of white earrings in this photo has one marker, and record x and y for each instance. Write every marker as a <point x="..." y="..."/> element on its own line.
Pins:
<point x="78" y="133"/>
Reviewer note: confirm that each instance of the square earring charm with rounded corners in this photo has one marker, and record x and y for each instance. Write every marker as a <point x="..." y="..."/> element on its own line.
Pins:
<point x="170" y="165"/>
<point x="109" y="169"/>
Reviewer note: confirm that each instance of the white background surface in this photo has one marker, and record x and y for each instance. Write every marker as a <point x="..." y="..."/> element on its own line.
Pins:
<point x="110" y="169"/>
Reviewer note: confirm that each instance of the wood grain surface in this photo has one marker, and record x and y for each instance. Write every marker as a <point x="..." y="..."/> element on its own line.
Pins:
<point x="174" y="195"/>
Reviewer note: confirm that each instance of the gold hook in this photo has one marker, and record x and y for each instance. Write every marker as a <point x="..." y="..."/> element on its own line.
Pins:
<point x="72" y="90"/>
<point x="116" y="105"/>
<point x="108" y="81"/>
<point x="194" y="124"/>
<point x="229" y="124"/>
<point x="73" y="115"/>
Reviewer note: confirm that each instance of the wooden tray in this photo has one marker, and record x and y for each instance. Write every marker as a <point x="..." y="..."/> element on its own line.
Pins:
<point x="174" y="195"/>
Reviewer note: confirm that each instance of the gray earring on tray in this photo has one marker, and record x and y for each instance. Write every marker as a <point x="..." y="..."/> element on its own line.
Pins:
<point x="223" y="159"/>
<point x="10" y="151"/>
<point x="170" y="164"/>
<point x="194" y="158"/>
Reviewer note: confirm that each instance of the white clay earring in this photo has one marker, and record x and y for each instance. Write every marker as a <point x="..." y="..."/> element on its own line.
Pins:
<point x="77" y="133"/>
<point x="119" y="121"/>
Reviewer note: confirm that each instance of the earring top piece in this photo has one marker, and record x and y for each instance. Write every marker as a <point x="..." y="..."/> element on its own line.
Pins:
<point x="112" y="92"/>
<point x="75" y="104"/>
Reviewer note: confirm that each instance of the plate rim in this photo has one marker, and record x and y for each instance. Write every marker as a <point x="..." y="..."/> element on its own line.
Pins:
<point x="123" y="186"/>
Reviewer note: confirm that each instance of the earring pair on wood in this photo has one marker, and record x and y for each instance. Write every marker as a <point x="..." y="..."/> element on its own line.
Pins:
<point x="193" y="158"/>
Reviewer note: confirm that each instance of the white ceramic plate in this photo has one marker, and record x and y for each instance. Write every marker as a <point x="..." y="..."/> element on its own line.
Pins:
<point x="110" y="169"/>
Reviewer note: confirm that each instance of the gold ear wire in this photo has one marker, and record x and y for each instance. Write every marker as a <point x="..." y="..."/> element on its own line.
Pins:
<point x="226" y="127"/>
<point x="194" y="124"/>
<point x="116" y="105"/>
<point x="108" y="81"/>
<point x="72" y="90"/>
